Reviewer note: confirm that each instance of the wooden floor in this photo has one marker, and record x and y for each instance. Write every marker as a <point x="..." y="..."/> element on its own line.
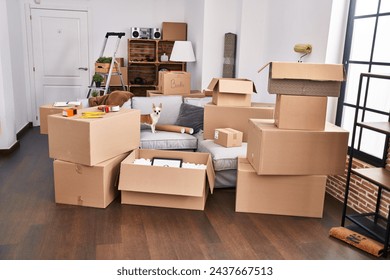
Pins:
<point x="33" y="226"/>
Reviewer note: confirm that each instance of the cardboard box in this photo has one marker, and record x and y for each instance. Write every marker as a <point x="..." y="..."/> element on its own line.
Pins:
<point x="234" y="117"/>
<point x="193" y="93"/>
<point x="174" y="82"/>
<point x="93" y="186"/>
<point x="168" y="186"/>
<point x="174" y="31"/>
<point x="232" y="92"/>
<point x="116" y="80"/>
<point x="275" y="151"/>
<point x="279" y="195"/>
<point x="49" y="109"/>
<point x="305" y="78"/>
<point x="91" y="141"/>
<point x="300" y="112"/>
<point x="228" y="137"/>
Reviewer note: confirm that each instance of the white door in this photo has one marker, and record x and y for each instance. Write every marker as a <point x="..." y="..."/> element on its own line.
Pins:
<point x="60" y="55"/>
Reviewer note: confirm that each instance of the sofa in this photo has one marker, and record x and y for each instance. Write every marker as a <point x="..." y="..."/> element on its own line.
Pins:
<point x="186" y="111"/>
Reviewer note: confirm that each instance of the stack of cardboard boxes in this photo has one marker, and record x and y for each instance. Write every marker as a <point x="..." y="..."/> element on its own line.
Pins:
<point x="231" y="108"/>
<point x="87" y="153"/>
<point x="288" y="158"/>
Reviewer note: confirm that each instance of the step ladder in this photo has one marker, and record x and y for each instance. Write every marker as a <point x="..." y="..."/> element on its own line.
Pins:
<point x="113" y="64"/>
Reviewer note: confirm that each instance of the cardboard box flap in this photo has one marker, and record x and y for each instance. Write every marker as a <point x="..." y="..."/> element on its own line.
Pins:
<point x="232" y="85"/>
<point x="210" y="174"/>
<point x="306" y="71"/>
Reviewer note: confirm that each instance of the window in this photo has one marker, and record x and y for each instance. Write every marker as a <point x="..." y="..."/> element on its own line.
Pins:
<point x="367" y="50"/>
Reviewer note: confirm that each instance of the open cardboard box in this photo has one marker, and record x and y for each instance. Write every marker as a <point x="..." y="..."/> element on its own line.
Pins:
<point x="279" y="194"/>
<point x="231" y="91"/>
<point x="161" y="186"/>
<point x="305" y="78"/>
<point x="234" y="117"/>
<point x="93" y="186"/>
<point x="91" y="141"/>
<point x="275" y="151"/>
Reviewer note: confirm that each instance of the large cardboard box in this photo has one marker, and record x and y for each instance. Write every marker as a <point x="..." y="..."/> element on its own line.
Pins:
<point x="49" y="109"/>
<point x="91" y="141"/>
<point x="174" y="82"/>
<point x="174" y="31"/>
<point x="93" y="186"/>
<point x="161" y="186"/>
<point x="280" y="195"/>
<point x="228" y="137"/>
<point x="232" y="92"/>
<point x="234" y="117"/>
<point x="275" y="151"/>
<point x="300" y="112"/>
<point x="305" y="78"/>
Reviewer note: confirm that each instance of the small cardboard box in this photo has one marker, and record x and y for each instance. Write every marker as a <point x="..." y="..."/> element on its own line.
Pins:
<point x="161" y="186"/>
<point x="174" y="31"/>
<point x="93" y="186"/>
<point x="116" y="80"/>
<point x="174" y="82"/>
<point x="275" y="151"/>
<point x="305" y="78"/>
<point x="279" y="195"/>
<point x="232" y="92"/>
<point x="49" y="109"/>
<point x="234" y="117"/>
<point x="228" y="137"/>
<point x="91" y="141"/>
<point x="300" y="112"/>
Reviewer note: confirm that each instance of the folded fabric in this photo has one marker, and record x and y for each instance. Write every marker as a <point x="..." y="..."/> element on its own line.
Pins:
<point x="117" y="98"/>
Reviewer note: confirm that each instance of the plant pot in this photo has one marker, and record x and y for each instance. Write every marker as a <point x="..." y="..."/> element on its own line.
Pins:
<point x="98" y="84"/>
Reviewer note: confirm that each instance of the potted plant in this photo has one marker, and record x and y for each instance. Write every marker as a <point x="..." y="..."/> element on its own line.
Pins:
<point x="98" y="79"/>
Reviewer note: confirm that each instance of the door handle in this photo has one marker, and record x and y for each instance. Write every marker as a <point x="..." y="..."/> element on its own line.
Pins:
<point x="83" y="68"/>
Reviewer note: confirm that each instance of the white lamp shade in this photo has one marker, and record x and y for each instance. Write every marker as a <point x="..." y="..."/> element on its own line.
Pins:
<point x="182" y="51"/>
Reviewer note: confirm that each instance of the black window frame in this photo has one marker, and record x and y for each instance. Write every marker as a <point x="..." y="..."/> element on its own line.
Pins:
<point x="341" y="104"/>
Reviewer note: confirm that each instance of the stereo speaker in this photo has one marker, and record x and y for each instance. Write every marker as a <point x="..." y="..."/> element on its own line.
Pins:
<point x="156" y="33"/>
<point x="135" y="33"/>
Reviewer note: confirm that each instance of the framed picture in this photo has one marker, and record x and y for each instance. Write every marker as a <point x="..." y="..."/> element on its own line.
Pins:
<point x="167" y="162"/>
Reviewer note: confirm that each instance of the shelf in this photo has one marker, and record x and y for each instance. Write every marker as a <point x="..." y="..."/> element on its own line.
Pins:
<point x="377" y="176"/>
<point x="381" y="127"/>
<point x="364" y="221"/>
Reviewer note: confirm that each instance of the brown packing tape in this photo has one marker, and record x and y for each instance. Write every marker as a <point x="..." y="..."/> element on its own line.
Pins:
<point x="357" y="240"/>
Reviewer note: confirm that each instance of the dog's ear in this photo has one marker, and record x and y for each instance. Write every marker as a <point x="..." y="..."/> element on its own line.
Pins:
<point x="160" y="105"/>
<point x="153" y="106"/>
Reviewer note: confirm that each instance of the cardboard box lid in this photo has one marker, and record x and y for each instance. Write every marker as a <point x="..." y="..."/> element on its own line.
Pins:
<point x="200" y="158"/>
<point x="305" y="71"/>
<point x="228" y="130"/>
<point x="231" y="85"/>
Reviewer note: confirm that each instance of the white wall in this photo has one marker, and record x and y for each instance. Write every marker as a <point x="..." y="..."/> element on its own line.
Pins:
<point x="220" y="17"/>
<point x="7" y="107"/>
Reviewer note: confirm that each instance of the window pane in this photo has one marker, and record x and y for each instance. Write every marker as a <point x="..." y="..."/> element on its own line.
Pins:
<point x="372" y="142"/>
<point x="347" y="122"/>
<point x="379" y="91"/>
<point x="362" y="39"/>
<point x="366" y="7"/>
<point x="382" y="42"/>
<point x="352" y="86"/>
<point x="385" y="6"/>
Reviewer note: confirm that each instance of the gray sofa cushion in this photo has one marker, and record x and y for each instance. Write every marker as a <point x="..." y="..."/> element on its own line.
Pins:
<point x="164" y="140"/>
<point x="191" y="116"/>
<point x="170" y="106"/>
<point x="223" y="158"/>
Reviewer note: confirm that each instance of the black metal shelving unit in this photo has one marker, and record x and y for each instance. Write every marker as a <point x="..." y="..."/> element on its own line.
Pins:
<point x="374" y="224"/>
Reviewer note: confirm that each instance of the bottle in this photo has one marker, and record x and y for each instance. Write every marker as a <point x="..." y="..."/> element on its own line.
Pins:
<point x="164" y="57"/>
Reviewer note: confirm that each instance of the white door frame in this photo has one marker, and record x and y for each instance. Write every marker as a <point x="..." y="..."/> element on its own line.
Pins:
<point x="30" y="82"/>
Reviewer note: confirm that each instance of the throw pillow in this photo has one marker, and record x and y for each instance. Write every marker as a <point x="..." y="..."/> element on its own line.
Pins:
<point x="191" y="116"/>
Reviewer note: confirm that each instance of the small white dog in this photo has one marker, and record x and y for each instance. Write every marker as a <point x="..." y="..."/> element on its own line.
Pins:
<point x="152" y="118"/>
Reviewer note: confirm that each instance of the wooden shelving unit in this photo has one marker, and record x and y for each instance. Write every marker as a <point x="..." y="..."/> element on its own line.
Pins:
<point x="144" y="63"/>
<point x="374" y="224"/>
